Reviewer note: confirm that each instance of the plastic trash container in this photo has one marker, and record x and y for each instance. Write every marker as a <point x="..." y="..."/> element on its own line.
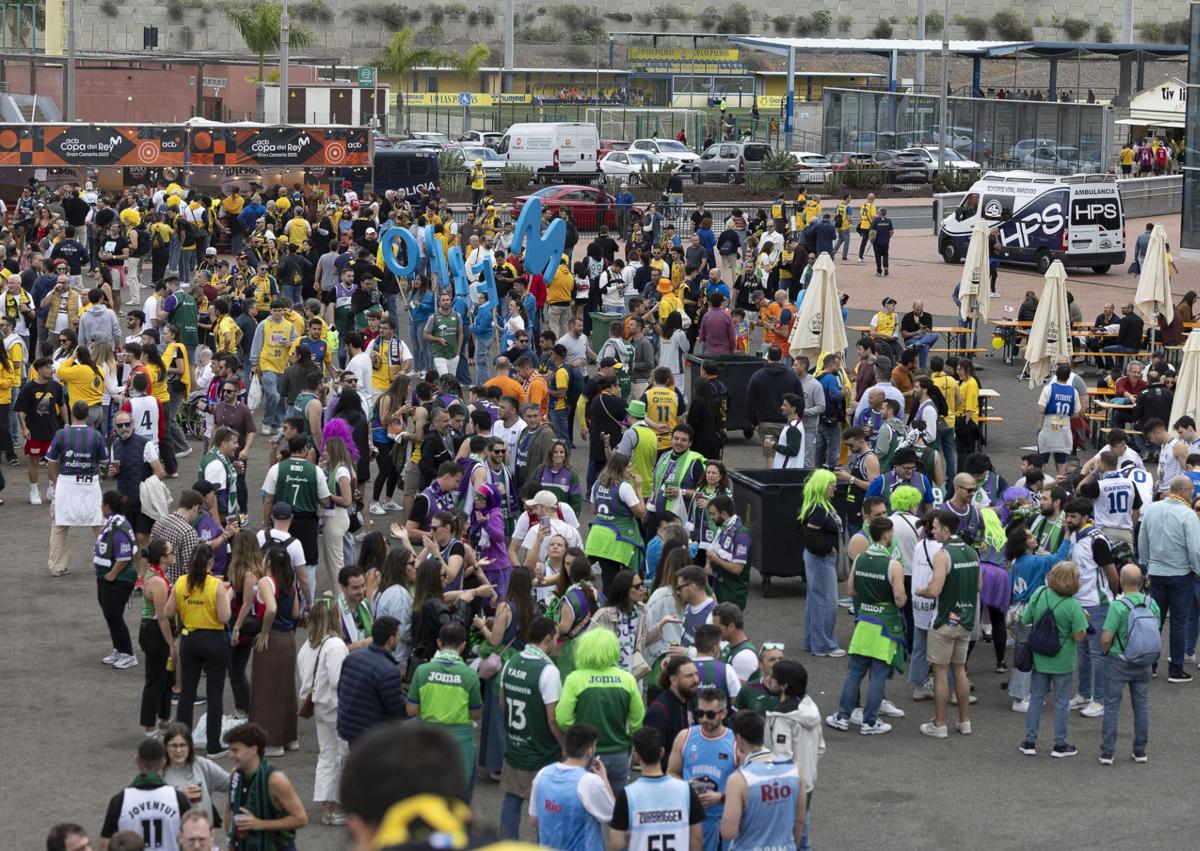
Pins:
<point x="768" y="502"/>
<point x="600" y="326"/>
<point x="735" y="372"/>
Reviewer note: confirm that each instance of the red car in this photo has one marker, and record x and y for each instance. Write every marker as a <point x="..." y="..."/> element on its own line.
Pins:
<point x="584" y="202"/>
<point x="607" y="145"/>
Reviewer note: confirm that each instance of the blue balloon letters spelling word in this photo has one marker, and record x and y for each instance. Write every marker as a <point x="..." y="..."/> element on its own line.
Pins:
<point x="543" y="251"/>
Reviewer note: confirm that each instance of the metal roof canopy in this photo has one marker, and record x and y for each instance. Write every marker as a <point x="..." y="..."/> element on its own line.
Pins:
<point x="980" y="49"/>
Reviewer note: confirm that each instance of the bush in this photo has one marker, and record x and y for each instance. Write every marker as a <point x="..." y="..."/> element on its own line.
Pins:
<point x="487" y="15"/>
<point x="976" y="28"/>
<point x="645" y="18"/>
<point x="390" y="16"/>
<point x="456" y="10"/>
<point x="543" y="34"/>
<point x="577" y="56"/>
<point x="655" y="176"/>
<point x="619" y="17"/>
<point x="817" y="24"/>
<point x="432" y="34"/>
<point x="844" y="24"/>
<point x="783" y="23"/>
<point x="516" y="176"/>
<point x="883" y="29"/>
<point x="579" y="21"/>
<point x="437" y="14"/>
<point x="1076" y="28"/>
<point x="1009" y="24"/>
<point x="667" y="14"/>
<point x="934" y="22"/>
<point x="863" y="176"/>
<point x="955" y="179"/>
<point x="110" y="9"/>
<point x="1177" y="32"/>
<point x="1105" y="34"/>
<point x="453" y="183"/>
<point x="736" y="19"/>
<point x="781" y="168"/>
<point x="709" y="17"/>
<point x="312" y="11"/>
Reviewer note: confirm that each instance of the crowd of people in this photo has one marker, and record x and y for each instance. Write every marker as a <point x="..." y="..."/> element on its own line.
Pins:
<point x="551" y="630"/>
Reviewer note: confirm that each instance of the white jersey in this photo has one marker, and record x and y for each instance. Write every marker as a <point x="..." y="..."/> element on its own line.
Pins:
<point x="152" y="814"/>
<point x="924" y="608"/>
<point x="659" y="809"/>
<point x="1113" y="509"/>
<point x="1143" y="481"/>
<point x="144" y="410"/>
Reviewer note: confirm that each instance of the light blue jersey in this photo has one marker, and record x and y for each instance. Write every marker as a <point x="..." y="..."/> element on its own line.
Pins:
<point x="707" y="764"/>
<point x="769" y="818"/>
<point x="563" y="823"/>
<point x="659" y="808"/>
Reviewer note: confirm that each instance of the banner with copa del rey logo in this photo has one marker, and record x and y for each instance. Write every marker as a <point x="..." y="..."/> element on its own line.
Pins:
<point x="91" y="145"/>
<point x="302" y="146"/>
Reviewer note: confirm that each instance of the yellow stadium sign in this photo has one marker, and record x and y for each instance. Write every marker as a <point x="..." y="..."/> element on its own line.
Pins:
<point x="463" y="99"/>
<point x="685" y="60"/>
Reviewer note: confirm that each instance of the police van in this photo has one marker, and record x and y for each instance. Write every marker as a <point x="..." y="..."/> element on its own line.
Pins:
<point x="1078" y="219"/>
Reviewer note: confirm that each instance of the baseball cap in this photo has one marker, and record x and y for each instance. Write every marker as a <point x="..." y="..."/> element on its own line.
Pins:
<point x="204" y="487"/>
<point x="210" y="251"/>
<point x="371" y="230"/>
<point x="546" y="499"/>
<point x="637" y="409"/>
<point x="281" y="511"/>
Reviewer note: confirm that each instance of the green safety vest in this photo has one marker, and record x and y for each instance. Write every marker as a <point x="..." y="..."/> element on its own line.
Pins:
<point x="296" y="484"/>
<point x="231" y="494"/>
<point x="959" y="600"/>
<point x="645" y="453"/>
<point x="529" y="745"/>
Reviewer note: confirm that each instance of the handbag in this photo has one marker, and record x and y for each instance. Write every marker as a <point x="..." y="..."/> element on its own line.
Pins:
<point x="638" y="666"/>
<point x="491" y="664"/>
<point x="306" y="708"/>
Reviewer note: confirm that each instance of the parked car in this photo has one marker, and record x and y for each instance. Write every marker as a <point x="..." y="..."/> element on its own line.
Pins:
<point x="1061" y="159"/>
<point x="432" y="137"/>
<point x="839" y="160"/>
<point x="929" y="156"/>
<point x="728" y="162"/>
<point x="1022" y="148"/>
<point x="485" y="139"/>
<point x="418" y="145"/>
<point x="814" y="168"/>
<point x="668" y="149"/>
<point x="584" y="202"/>
<point x="627" y="164"/>
<point x="493" y="163"/>
<point x="901" y="166"/>
<point x="607" y="145"/>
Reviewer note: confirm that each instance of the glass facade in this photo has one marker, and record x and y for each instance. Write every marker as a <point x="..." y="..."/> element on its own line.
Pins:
<point x="997" y="134"/>
<point x="1189" y="235"/>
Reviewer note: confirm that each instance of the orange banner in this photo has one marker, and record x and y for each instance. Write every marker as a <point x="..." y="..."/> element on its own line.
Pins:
<point x="91" y="145"/>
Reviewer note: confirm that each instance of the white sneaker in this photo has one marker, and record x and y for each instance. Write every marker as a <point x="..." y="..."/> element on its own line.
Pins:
<point x="267" y="431"/>
<point x="1189" y="659"/>
<point x="875" y="729"/>
<point x="839" y="723"/>
<point x="377" y="509"/>
<point x="50" y="493"/>
<point x="835" y="653"/>
<point x="392" y="505"/>
<point x="273" y="752"/>
<point x="35" y="498"/>
<point x="111" y="657"/>
<point x="1078" y="702"/>
<point x="1093" y="710"/>
<point x="845" y="602"/>
<point x="856" y="716"/>
<point x="889" y="709"/>
<point x="994" y="295"/>
<point x="1020" y="705"/>
<point x="125" y="661"/>
<point x="185" y="453"/>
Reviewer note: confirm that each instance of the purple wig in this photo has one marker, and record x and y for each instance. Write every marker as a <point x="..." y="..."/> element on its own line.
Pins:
<point x="340" y="428"/>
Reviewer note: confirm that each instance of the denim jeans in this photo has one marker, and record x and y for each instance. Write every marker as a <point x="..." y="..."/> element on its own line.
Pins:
<point x="422" y="358"/>
<point x="820" y="602"/>
<point x="859" y="667"/>
<point x="483" y="358"/>
<point x="187" y="261"/>
<point x="512" y="809"/>
<point x="235" y="240"/>
<point x="1193" y="624"/>
<point x="1175" y="598"/>
<point x="292" y="292"/>
<point x="1089" y="659"/>
<point x="1019" y="681"/>
<point x="923" y="343"/>
<point x="616" y="765"/>
<point x="562" y="428"/>
<point x="462" y="365"/>
<point x="1041" y="685"/>
<point x="274" y="405"/>
<point x="174" y="430"/>
<point x="1117" y="674"/>
<point x="827" y="444"/>
<point x="945" y="442"/>
<point x="843" y="242"/>
<point x="918" y="663"/>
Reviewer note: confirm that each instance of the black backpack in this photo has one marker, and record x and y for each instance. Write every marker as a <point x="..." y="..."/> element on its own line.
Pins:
<point x="269" y="542"/>
<point x="1043" y="638"/>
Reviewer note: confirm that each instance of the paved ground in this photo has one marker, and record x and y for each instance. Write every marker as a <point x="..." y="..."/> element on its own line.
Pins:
<point x="72" y="722"/>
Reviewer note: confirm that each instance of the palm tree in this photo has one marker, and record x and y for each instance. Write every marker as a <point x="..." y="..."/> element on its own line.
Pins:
<point x="469" y="65"/>
<point x="402" y="56"/>
<point x="259" y="25"/>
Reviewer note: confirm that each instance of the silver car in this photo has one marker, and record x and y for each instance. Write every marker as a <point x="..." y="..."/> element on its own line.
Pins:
<point x="728" y="162"/>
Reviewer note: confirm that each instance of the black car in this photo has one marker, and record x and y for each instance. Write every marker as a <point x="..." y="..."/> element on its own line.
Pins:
<point x="901" y="167"/>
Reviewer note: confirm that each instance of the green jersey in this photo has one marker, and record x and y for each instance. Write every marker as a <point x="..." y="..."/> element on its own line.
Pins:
<point x="184" y="317"/>
<point x="445" y="326"/>
<point x="959" y="601"/>
<point x="227" y="499"/>
<point x="529" y="743"/>
<point x="756" y="698"/>
<point x="609" y="700"/>
<point x="888" y="441"/>
<point x="446" y="689"/>
<point x="299" y="409"/>
<point x="879" y="626"/>
<point x="296" y="484"/>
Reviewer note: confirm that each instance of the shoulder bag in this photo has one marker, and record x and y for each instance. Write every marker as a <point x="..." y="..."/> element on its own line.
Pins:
<point x="306" y="708"/>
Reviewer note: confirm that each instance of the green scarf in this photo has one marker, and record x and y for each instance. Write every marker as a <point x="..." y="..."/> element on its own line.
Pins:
<point x="149" y="779"/>
<point x="253" y="793"/>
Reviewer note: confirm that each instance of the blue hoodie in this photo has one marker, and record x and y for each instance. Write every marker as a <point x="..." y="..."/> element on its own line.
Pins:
<point x="1029" y="571"/>
<point x="482" y="325"/>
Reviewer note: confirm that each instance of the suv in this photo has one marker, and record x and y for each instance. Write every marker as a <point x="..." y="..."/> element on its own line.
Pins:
<point x="666" y="149"/>
<point x="929" y="157"/>
<point x="480" y="139"/>
<point x="728" y="162"/>
<point x="901" y="166"/>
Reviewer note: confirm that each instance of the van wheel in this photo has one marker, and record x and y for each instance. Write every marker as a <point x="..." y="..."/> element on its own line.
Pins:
<point x="1101" y="270"/>
<point x="949" y="252"/>
<point x="1043" y="261"/>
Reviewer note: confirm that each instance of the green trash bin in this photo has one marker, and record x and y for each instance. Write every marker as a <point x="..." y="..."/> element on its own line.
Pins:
<point x="601" y="322"/>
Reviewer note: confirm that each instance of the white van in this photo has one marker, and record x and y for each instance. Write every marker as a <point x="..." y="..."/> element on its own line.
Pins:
<point x="1078" y="219"/>
<point x="568" y="149"/>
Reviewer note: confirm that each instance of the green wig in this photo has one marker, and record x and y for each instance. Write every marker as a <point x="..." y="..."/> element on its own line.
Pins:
<point x="597" y="650"/>
<point x="906" y="498"/>
<point x="814" y="492"/>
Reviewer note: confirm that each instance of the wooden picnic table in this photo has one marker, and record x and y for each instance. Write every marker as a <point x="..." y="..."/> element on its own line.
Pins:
<point x="986" y="394"/>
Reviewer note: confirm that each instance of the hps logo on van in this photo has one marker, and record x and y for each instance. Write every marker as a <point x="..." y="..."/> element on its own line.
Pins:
<point x="1104" y="212"/>
<point x="1037" y="222"/>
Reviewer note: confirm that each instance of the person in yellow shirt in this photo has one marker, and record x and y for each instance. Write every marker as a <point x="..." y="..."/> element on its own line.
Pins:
<point x="668" y="301"/>
<point x="84" y="382"/>
<point x="559" y="381"/>
<point x="560" y="294"/>
<point x="966" y="418"/>
<point x="176" y="358"/>
<point x="14" y="348"/>
<point x="266" y="288"/>
<point x="662" y="406"/>
<point x="298" y="230"/>
<point x="1127" y="159"/>
<point x="947" y="383"/>
<point x="154" y="367"/>
<point x="293" y="316"/>
<point x="478" y="178"/>
<point x="812" y="209"/>
<point x="487" y="222"/>
<point x="866" y="214"/>
<point x="10" y="382"/>
<point x="226" y="333"/>
<point x="269" y="358"/>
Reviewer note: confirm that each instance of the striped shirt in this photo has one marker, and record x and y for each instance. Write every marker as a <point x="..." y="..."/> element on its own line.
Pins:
<point x="79" y="451"/>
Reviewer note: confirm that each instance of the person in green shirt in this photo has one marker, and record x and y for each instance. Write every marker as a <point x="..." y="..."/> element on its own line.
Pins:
<point x="600" y="693"/>
<point x="1056" y="671"/>
<point x="762" y="694"/>
<point x="445" y="692"/>
<point x="1118" y="672"/>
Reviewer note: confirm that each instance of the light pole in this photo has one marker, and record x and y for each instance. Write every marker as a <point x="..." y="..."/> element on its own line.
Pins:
<point x="510" y="22"/>
<point x="943" y="95"/>
<point x="284" y="36"/>
<point x="69" y="100"/>
<point x="920" y="75"/>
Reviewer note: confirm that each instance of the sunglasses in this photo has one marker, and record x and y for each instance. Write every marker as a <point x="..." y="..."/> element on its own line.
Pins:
<point x="349" y="380"/>
<point x="231" y="391"/>
<point x="773" y="645"/>
<point x="712" y="714"/>
<point x="122" y="426"/>
<point x="433" y="528"/>
<point x="681" y="587"/>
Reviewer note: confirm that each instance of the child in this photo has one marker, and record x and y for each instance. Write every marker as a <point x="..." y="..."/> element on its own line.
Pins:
<point x="793" y="731"/>
<point x="742" y="340"/>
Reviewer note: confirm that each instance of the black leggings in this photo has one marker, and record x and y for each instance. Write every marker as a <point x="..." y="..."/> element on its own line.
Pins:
<point x="239" y="660"/>
<point x="6" y="442"/>
<point x="387" y="471"/>
<point x="999" y="632"/>
<point x="113" y="597"/>
<point x="156" y="687"/>
<point x="204" y="651"/>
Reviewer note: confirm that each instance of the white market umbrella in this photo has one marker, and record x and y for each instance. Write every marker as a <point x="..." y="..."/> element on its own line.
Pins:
<point x="1187" y="382"/>
<point x="1050" y="334"/>
<point x="1154" y="283"/>
<point x="819" y="327"/>
<point x="973" y="303"/>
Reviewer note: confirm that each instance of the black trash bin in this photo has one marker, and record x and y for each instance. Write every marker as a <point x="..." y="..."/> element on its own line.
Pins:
<point x="768" y="502"/>
<point x="735" y="372"/>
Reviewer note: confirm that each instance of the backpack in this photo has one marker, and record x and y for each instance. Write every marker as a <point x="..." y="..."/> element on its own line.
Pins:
<point x="839" y="218"/>
<point x="269" y="542"/>
<point x="574" y="386"/>
<point x="1143" y="642"/>
<point x="1043" y="638"/>
<point x="143" y="241"/>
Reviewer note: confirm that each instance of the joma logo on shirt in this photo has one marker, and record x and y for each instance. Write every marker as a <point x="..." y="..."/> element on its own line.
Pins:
<point x="448" y="679"/>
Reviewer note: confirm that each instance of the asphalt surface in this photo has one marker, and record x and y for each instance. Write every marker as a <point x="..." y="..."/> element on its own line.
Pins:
<point x="71" y="722"/>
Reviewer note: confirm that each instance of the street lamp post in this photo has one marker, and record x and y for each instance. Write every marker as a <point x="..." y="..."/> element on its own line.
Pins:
<point x="284" y="36"/>
<point x="69" y="100"/>
<point x="944" y="94"/>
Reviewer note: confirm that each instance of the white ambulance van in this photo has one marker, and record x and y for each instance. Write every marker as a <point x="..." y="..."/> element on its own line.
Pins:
<point x="1077" y="218"/>
<point x="555" y="150"/>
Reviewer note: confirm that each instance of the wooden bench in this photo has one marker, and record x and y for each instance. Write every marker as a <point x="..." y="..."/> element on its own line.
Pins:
<point x="946" y="350"/>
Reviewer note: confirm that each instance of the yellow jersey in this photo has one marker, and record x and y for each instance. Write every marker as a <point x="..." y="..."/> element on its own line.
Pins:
<point x="296" y="319"/>
<point x="82" y="383"/>
<point x="478" y="176"/>
<point x="158" y="383"/>
<point x="866" y="215"/>
<point x="297" y="230"/>
<point x="662" y="407"/>
<point x="198" y="609"/>
<point x="560" y="381"/>
<point x="227" y="333"/>
<point x="277" y="338"/>
<point x="265" y="290"/>
<point x="173" y="351"/>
